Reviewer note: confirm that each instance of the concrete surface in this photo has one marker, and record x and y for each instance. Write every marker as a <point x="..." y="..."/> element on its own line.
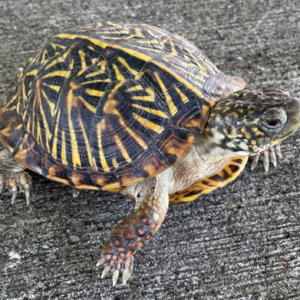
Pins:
<point x="241" y="242"/>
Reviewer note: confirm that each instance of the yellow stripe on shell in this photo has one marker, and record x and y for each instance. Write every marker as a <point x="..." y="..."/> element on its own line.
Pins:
<point x="199" y="64"/>
<point x="51" y="104"/>
<point x="145" y="58"/>
<point x="122" y="148"/>
<point x="125" y="64"/>
<point x="170" y="103"/>
<point x="129" y="37"/>
<point x="33" y="124"/>
<point x="154" y="41"/>
<point x="45" y="52"/>
<point x="150" y="91"/>
<point x="149" y="49"/>
<point x="152" y="28"/>
<point x="24" y="95"/>
<point x="54" y="143"/>
<point x="76" y="161"/>
<point x="111" y="37"/>
<point x="100" y="128"/>
<point x="183" y="97"/>
<point x="38" y="133"/>
<point x="71" y="64"/>
<point x="115" y="163"/>
<point x="111" y="103"/>
<point x="57" y="179"/>
<point x="48" y="134"/>
<point x="148" y="124"/>
<point x="152" y="111"/>
<point x="134" y="135"/>
<point x="119" y="75"/>
<point x="139" y="75"/>
<point x="87" y="145"/>
<point x="83" y="62"/>
<point x="139" y="33"/>
<point x="94" y="93"/>
<point x="55" y="46"/>
<point x="112" y="187"/>
<point x="152" y="33"/>
<point x="61" y="73"/>
<point x="143" y="98"/>
<point x="112" y="31"/>
<point x="91" y="48"/>
<point x="116" y="25"/>
<point x="55" y="62"/>
<point x="96" y="81"/>
<point x="110" y="108"/>
<point x="31" y="73"/>
<point x="28" y="122"/>
<point x="56" y="88"/>
<point x="63" y="148"/>
<point x="173" y="49"/>
<point x="184" y="70"/>
<point x="135" y="89"/>
<point x="12" y="99"/>
<point x="102" y="66"/>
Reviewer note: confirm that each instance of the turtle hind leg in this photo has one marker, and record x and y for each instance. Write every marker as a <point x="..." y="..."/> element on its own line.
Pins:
<point x="13" y="177"/>
<point x="134" y="232"/>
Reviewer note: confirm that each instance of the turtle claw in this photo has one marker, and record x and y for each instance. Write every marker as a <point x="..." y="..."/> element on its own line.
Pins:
<point x="100" y="262"/>
<point x="15" y="183"/>
<point x="255" y="160"/>
<point x="27" y="196"/>
<point x="278" y="150"/>
<point x="272" y="156"/>
<point x="265" y="159"/>
<point x="115" y="277"/>
<point x="126" y="267"/>
<point x="13" y="197"/>
<point x="105" y="271"/>
<point x="125" y="276"/>
<point x="266" y="156"/>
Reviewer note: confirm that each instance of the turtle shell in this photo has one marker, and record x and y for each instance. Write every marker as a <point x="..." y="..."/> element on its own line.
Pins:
<point x="104" y="106"/>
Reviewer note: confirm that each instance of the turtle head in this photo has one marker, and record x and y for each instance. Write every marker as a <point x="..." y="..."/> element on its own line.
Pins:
<point x="248" y="122"/>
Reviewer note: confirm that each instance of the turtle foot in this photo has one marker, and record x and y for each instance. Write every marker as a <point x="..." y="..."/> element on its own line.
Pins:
<point x="266" y="156"/>
<point x="114" y="262"/>
<point x="16" y="183"/>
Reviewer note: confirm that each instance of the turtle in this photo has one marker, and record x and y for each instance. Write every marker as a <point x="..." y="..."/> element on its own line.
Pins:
<point x="134" y="109"/>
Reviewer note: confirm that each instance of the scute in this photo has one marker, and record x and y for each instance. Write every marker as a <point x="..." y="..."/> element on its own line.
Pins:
<point x="106" y="105"/>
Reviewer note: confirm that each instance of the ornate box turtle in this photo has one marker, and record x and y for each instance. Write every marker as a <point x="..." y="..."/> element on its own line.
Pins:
<point x="134" y="109"/>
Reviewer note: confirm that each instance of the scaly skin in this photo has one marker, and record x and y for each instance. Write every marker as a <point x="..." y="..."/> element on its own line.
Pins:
<point x="13" y="177"/>
<point x="133" y="233"/>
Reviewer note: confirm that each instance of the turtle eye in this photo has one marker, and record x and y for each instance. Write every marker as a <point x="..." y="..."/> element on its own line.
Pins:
<point x="273" y="120"/>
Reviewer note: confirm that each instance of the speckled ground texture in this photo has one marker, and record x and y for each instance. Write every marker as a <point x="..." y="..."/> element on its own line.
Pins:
<point x="241" y="242"/>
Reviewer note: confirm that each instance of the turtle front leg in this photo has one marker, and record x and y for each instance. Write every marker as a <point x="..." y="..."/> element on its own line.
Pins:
<point x="13" y="177"/>
<point x="266" y="156"/>
<point x="133" y="233"/>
